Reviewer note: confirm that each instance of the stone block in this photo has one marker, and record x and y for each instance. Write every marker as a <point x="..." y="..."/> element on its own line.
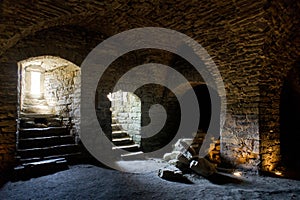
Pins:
<point x="203" y="167"/>
<point x="173" y="175"/>
<point x="171" y="156"/>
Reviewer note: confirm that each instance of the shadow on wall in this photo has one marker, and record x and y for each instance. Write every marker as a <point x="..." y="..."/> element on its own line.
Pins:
<point x="209" y="121"/>
<point x="205" y="100"/>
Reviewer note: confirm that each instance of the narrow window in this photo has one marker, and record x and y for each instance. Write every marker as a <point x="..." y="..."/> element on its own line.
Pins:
<point x="35" y="88"/>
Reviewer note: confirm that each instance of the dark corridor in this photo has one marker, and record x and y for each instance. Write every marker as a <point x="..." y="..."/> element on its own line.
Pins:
<point x="290" y="120"/>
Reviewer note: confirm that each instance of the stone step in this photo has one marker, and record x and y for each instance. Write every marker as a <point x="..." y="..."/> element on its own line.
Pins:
<point x="33" y="124"/>
<point x="131" y="148"/>
<point x="119" y="134"/>
<point x="37" y="109"/>
<point x="36" y="115"/>
<point x="114" y="120"/>
<point x="48" y="151"/>
<point x="68" y="157"/>
<point x="123" y="141"/>
<point x="37" y="142"/>
<point x="44" y="162"/>
<point x="54" y="122"/>
<point x="42" y="117"/>
<point x="31" y="121"/>
<point x="116" y="127"/>
<point x="39" y="168"/>
<point x="133" y="155"/>
<point x="42" y="132"/>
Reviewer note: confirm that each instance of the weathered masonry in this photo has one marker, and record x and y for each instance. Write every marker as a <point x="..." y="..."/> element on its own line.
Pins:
<point x="254" y="44"/>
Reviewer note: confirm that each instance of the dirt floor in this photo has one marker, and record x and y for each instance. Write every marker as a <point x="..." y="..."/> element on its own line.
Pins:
<point x="92" y="182"/>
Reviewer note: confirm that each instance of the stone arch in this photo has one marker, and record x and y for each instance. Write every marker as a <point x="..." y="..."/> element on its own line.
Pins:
<point x="100" y="24"/>
<point x="44" y="42"/>
<point x="126" y="114"/>
<point x="209" y="121"/>
<point x="58" y="93"/>
<point x="201" y="88"/>
<point x="55" y="41"/>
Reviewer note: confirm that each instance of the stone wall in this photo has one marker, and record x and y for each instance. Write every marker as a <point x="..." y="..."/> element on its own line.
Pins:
<point x="240" y="144"/>
<point x="253" y="43"/>
<point x="149" y="94"/>
<point x="60" y="89"/>
<point x="8" y="113"/>
<point x="281" y="52"/>
<point x="126" y="108"/>
<point x="62" y="92"/>
<point x="47" y="42"/>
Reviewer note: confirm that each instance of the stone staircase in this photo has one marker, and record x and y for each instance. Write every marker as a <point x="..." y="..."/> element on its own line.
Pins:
<point x="44" y="145"/>
<point x="122" y="140"/>
<point x="31" y="105"/>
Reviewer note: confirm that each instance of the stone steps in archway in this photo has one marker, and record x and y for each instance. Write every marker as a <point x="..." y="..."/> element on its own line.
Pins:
<point x="122" y="140"/>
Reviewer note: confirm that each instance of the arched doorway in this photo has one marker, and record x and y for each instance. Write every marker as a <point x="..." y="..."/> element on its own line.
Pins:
<point x="48" y="109"/>
<point x="209" y="121"/>
<point x="289" y="122"/>
<point x="209" y="104"/>
<point x="126" y="121"/>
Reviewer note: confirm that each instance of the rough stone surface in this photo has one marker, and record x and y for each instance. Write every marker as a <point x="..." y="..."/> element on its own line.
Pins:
<point x="62" y="86"/>
<point x="172" y="175"/>
<point x="126" y="108"/>
<point x="281" y="54"/>
<point x="60" y="89"/>
<point x="203" y="167"/>
<point x="253" y="43"/>
<point x="241" y="145"/>
<point x="90" y="182"/>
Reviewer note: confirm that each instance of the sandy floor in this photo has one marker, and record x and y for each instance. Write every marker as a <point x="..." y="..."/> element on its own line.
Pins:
<point x="92" y="182"/>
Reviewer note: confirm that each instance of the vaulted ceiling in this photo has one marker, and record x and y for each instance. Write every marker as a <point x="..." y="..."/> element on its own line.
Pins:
<point x="195" y="18"/>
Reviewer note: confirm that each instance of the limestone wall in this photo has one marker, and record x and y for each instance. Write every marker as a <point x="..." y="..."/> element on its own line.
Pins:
<point x="62" y="92"/>
<point x="126" y="108"/>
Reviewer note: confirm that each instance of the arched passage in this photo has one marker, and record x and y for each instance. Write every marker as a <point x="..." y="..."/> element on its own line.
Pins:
<point x="48" y="109"/>
<point x="126" y="118"/>
<point x="209" y="121"/>
<point x="289" y="122"/>
<point x="49" y="85"/>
